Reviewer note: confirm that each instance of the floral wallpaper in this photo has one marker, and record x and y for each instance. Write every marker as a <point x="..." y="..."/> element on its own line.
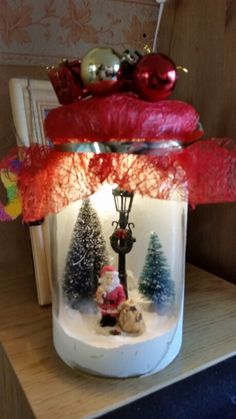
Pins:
<point x="41" y="33"/>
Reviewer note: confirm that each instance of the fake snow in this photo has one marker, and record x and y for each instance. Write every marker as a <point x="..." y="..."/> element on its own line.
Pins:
<point x="78" y="342"/>
<point x="85" y="327"/>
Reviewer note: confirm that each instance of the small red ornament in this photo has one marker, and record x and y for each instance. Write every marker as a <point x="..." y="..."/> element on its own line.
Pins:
<point x="67" y="82"/>
<point x="121" y="233"/>
<point x="155" y="77"/>
<point x="75" y="67"/>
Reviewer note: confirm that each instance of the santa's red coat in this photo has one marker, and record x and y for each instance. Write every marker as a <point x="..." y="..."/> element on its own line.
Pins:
<point x="111" y="301"/>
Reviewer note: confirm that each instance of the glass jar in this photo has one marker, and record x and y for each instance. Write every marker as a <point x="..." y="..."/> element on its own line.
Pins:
<point x="118" y="282"/>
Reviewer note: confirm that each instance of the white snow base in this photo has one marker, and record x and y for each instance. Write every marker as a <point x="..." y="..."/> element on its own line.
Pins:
<point x="83" y="347"/>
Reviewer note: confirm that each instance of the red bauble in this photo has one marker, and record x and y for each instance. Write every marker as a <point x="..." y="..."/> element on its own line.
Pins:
<point x="67" y="82"/>
<point x="154" y="77"/>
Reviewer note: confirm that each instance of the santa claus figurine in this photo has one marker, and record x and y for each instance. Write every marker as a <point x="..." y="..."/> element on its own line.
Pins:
<point x="110" y="294"/>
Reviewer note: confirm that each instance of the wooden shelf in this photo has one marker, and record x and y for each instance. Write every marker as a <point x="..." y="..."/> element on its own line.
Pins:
<point x="35" y="383"/>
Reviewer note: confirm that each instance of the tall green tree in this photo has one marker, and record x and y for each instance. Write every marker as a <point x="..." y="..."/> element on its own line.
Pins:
<point x="155" y="281"/>
<point x="87" y="254"/>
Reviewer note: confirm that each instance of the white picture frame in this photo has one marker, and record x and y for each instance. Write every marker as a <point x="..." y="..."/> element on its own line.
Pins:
<point x="30" y="102"/>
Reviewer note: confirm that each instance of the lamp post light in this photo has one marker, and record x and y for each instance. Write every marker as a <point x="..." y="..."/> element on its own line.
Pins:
<point x="121" y="239"/>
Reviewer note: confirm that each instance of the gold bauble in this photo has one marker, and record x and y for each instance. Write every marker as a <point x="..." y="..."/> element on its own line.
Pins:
<point x="101" y="71"/>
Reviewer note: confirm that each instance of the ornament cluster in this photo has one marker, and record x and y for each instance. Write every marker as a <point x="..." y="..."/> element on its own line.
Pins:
<point x="103" y="71"/>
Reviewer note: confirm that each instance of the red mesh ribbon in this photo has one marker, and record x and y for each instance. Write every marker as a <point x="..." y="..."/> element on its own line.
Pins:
<point x="210" y="168"/>
<point x="49" y="180"/>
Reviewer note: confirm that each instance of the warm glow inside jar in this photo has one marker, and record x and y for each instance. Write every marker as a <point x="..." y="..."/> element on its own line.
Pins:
<point x="119" y="312"/>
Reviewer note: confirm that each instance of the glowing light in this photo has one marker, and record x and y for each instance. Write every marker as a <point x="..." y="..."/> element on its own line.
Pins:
<point x="103" y="198"/>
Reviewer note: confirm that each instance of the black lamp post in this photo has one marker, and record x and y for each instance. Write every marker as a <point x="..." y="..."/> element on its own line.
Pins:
<point x="122" y="240"/>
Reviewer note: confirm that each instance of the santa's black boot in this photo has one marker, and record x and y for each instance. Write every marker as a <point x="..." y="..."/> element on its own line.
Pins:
<point x="112" y="321"/>
<point x="104" y="321"/>
<point x="107" y="321"/>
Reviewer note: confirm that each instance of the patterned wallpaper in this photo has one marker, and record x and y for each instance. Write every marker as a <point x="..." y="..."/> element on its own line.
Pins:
<point x="42" y="32"/>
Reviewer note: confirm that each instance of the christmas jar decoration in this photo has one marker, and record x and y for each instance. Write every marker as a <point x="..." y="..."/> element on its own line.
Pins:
<point x="116" y="181"/>
<point x="119" y="249"/>
<point x="119" y="177"/>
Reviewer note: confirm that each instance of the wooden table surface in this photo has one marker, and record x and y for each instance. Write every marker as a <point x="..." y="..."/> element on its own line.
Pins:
<point x="35" y="383"/>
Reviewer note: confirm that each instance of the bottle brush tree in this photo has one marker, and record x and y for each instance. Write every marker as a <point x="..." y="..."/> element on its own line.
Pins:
<point x="155" y="282"/>
<point x="86" y="256"/>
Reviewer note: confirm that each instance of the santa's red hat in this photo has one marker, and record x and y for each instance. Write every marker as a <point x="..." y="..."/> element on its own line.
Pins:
<point x="107" y="268"/>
